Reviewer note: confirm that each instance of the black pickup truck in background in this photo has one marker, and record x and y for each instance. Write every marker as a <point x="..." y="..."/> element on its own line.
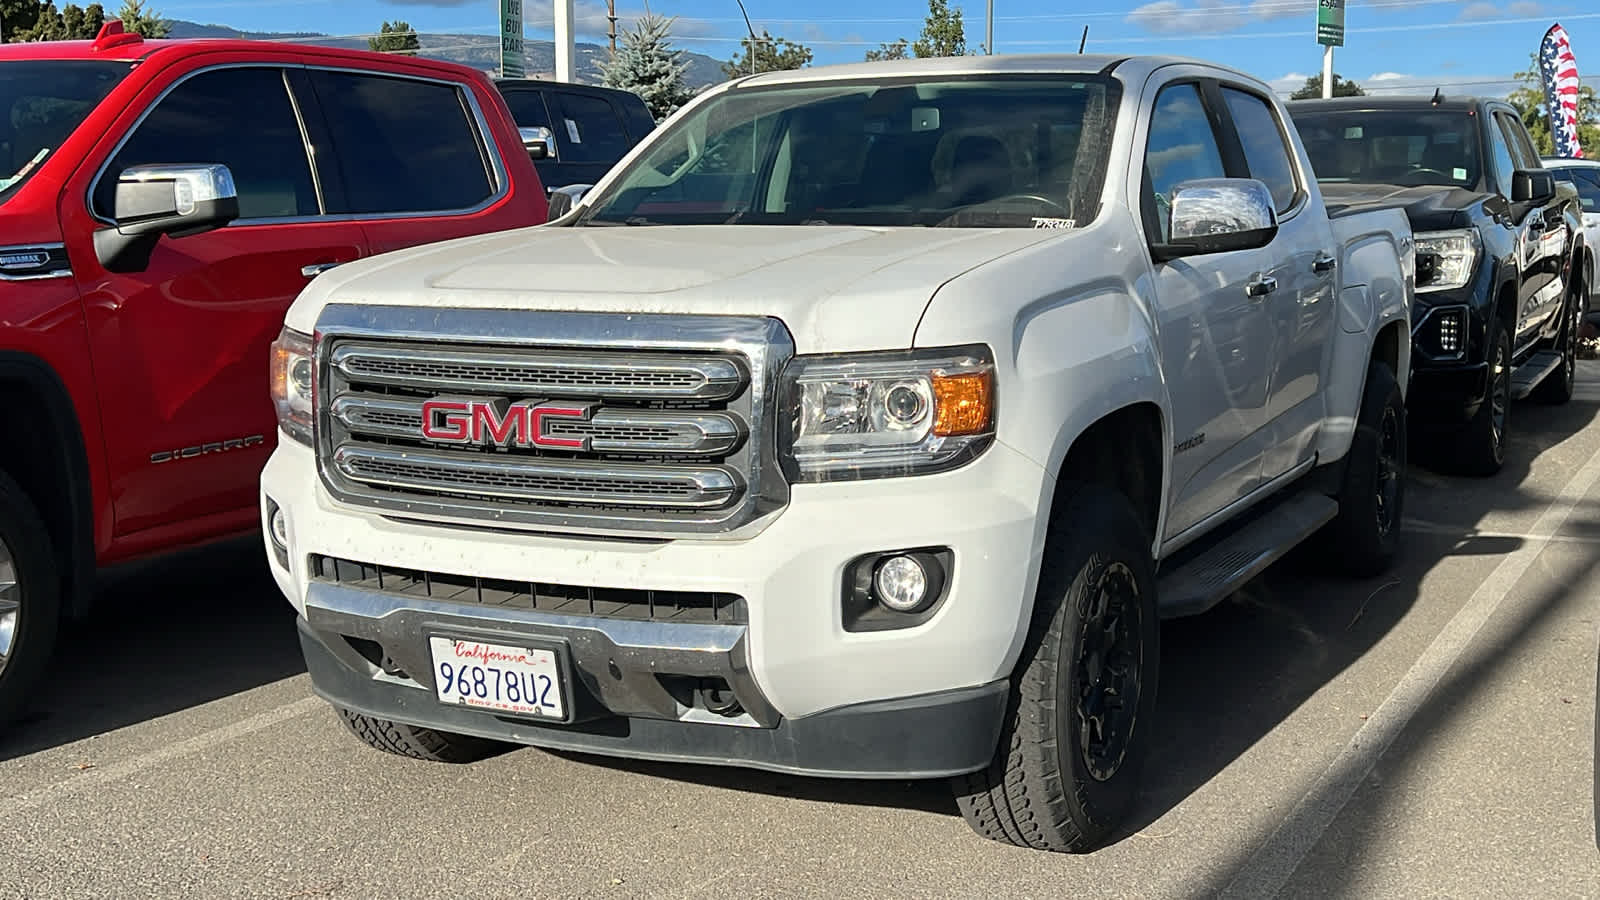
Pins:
<point x="1499" y="299"/>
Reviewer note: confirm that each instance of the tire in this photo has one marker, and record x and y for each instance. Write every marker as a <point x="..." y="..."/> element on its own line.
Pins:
<point x="1557" y="387"/>
<point x="1041" y="789"/>
<point x="30" y="599"/>
<point x="1480" y="447"/>
<point x="1365" y="536"/>
<point x="418" y="743"/>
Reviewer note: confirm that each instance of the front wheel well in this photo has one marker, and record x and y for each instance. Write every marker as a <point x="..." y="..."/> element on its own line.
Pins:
<point x="1121" y="450"/>
<point x="49" y="462"/>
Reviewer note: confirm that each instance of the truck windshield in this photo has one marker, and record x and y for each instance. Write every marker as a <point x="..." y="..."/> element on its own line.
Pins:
<point x="1400" y="147"/>
<point x="965" y="152"/>
<point x="41" y="103"/>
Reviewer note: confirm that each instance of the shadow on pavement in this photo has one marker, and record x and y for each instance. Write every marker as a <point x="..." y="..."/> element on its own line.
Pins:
<point x="164" y="636"/>
<point x="1232" y="675"/>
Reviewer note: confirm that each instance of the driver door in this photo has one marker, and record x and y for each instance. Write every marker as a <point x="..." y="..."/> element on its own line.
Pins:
<point x="1216" y="339"/>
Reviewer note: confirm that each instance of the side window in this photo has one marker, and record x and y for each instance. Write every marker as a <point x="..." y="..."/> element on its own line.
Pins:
<point x="527" y="109"/>
<point x="1588" y="184"/>
<point x="1264" y="147"/>
<point x="202" y="121"/>
<point x="1503" y="164"/>
<point x="1522" y="152"/>
<point x="402" y="145"/>
<point x="587" y="128"/>
<point x="1182" y="146"/>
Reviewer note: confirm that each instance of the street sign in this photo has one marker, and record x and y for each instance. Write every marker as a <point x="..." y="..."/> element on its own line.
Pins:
<point x="1330" y="23"/>
<point x="511" y="39"/>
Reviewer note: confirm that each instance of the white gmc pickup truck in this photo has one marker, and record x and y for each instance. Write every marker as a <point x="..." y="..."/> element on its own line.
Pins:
<point x="863" y="422"/>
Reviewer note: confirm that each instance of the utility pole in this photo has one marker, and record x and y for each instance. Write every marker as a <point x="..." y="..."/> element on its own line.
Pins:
<point x="988" y="29"/>
<point x="611" y="16"/>
<point x="564" y="47"/>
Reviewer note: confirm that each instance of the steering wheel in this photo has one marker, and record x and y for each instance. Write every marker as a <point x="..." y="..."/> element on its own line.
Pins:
<point x="1425" y="173"/>
<point x="1034" y="198"/>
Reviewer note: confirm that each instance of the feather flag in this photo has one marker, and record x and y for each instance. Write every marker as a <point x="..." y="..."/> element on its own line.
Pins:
<point x="1559" y="71"/>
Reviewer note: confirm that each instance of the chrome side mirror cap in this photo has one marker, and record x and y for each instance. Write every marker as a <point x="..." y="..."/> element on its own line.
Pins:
<point x="564" y="199"/>
<point x="152" y="202"/>
<point x="540" y="142"/>
<point x="1218" y="215"/>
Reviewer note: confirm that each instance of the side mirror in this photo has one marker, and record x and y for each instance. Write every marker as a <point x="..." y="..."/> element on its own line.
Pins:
<point x="563" y="199"/>
<point x="1217" y="215"/>
<point x="540" y="142"/>
<point x="175" y="201"/>
<point x="1532" y="186"/>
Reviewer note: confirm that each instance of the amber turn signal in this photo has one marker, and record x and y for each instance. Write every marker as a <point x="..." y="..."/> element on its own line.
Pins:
<point x="963" y="404"/>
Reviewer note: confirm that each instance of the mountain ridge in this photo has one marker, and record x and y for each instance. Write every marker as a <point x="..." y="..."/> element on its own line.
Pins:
<point x="480" y="51"/>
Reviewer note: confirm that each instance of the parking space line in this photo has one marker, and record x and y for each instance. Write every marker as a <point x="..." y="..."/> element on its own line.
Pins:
<point x="1417" y="526"/>
<point x="101" y="777"/>
<point x="1272" y="865"/>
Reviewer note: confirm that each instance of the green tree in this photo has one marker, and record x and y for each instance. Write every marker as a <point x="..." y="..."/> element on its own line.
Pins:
<point x="647" y="65"/>
<point x="942" y="32"/>
<point x="396" y="37"/>
<point x="1312" y="90"/>
<point x="138" y="19"/>
<point x="896" y="50"/>
<point x="771" y="54"/>
<point x="70" y="24"/>
<point x="1529" y="101"/>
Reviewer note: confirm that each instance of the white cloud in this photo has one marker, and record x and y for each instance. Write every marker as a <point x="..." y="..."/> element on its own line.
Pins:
<point x="1387" y="76"/>
<point x="1270" y="10"/>
<point x="1174" y="16"/>
<point x="1519" y="9"/>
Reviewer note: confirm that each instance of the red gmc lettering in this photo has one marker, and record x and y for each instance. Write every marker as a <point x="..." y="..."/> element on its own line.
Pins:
<point x="487" y="423"/>
<point x="445" y="420"/>
<point x="540" y="439"/>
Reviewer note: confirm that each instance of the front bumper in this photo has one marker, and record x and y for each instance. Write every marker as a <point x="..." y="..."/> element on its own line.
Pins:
<point x="1446" y="394"/>
<point x="919" y="701"/>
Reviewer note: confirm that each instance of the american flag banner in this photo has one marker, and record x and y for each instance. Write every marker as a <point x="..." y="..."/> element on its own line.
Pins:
<point x="1559" y="71"/>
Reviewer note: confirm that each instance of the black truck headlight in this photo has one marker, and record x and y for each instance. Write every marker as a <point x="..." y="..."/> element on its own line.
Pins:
<point x="876" y="415"/>
<point x="1446" y="259"/>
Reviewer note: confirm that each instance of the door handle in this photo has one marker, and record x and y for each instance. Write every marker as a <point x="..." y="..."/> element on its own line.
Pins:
<point x="1260" y="286"/>
<point x="1323" y="264"/>
<point x="316" y="269"/>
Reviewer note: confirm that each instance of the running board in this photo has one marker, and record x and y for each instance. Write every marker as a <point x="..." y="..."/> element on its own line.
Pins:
<point x="1206" y="580"/>
<point x="1531" y="373"/>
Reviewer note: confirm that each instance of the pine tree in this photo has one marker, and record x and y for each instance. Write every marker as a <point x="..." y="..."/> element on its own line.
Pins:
<point x="942" y="32"/>
<point x="896" y="50"/>
<point x="70" y="24"/>
<point x="396" y="37"/>
<point x="771" y="54"/>
<point x="141" y="21"/>
<point x="647" y="65"/>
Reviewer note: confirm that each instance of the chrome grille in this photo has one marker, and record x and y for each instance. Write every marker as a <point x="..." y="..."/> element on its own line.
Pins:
<point x="667" y="430"/>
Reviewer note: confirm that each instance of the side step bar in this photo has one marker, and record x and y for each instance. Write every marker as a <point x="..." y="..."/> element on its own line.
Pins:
<point x="1208" y="579"/>
<point x="1528" y="375"/>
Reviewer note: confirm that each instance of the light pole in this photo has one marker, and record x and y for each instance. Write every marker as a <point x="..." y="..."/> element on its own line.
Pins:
<point x="988" y="29"/>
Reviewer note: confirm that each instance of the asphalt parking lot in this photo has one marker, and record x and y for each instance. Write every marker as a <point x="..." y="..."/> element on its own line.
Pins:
<point x="1425" y="733"/>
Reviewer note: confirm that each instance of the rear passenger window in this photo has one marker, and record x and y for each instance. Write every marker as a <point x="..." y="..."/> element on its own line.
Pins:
<point x="202" y="121"/>
<point x="587" y="128"/>
<point x="402" y="145"/>
<point x="1182" y="147"/>
<point x="1264" y="149"/>
<point x="527" y="109"/>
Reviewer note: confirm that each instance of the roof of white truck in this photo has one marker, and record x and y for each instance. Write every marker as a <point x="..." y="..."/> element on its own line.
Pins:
<point x="1131" y="68"/>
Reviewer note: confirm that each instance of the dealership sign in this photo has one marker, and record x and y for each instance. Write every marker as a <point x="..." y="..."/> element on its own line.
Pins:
<point x="511" y="39"/>
<point x="1330" y="23"/>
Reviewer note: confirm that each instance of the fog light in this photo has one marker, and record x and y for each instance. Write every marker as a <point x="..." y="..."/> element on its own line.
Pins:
<point x="901" y="583"/>
<point x="280" y="529"/>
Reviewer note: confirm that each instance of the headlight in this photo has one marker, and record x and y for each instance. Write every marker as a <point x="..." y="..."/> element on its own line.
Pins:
<point x="876" y="415"/>
<point x="293" y="384"/>
<point x="1446" y="259"/>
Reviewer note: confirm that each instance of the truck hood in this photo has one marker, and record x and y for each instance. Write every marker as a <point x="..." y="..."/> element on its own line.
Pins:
<point x="1429" y="206"/>
<point x="836" y="288"/>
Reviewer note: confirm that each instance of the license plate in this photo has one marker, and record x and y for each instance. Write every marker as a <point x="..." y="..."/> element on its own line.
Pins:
<point x="524" y="681"/>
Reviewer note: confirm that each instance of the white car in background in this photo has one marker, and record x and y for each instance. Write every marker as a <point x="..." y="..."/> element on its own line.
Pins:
<point x="1584" y="174"/>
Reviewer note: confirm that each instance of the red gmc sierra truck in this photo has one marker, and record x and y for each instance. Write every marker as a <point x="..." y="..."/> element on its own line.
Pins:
<point x="161" y="205"/>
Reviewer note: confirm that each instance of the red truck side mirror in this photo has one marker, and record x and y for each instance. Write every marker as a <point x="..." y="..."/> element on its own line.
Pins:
<point x="156" y="201"/>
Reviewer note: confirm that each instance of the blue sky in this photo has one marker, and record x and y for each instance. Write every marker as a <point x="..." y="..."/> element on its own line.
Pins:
<point x="1467" y="45"/>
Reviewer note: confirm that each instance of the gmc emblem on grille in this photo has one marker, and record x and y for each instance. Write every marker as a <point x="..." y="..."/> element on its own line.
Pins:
<point x="499" y="422"/>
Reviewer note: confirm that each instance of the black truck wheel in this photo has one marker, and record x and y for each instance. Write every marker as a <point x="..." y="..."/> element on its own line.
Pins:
<point x="1365" y="535"/>
<point x="1480" y="447"/>
<point x="1557" y="387"/>
<point x="30" y="599"/>
<point x="1068" y="763"/>
<point x="418" y="743"/>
